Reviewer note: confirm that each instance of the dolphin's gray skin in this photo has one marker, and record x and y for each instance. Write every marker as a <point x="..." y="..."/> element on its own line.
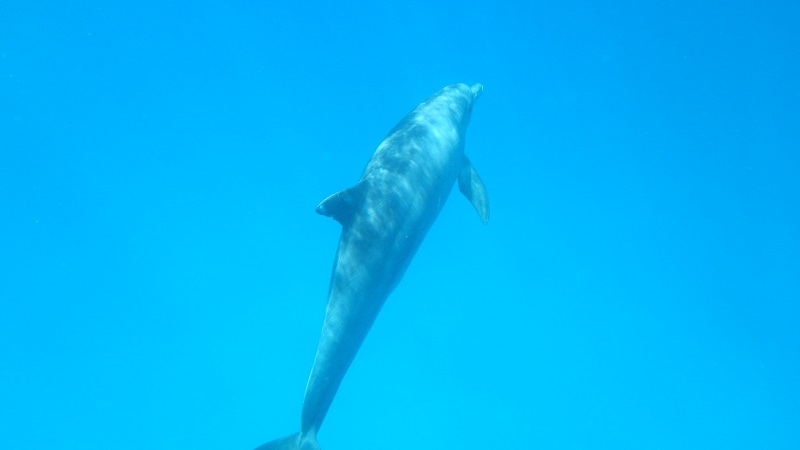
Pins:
<point x="384" y="219"/>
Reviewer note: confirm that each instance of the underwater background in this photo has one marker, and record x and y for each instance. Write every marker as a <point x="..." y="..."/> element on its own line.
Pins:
<point x="163" y="275"/>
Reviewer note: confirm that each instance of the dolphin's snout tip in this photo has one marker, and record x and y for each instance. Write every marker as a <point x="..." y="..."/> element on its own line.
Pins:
<point x="476" y="89"/>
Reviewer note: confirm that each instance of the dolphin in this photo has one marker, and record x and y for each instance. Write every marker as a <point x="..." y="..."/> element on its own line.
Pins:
<point x="384" y="219"/>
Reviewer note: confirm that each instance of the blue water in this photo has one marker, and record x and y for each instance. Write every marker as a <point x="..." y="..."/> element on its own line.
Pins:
<point x="163" y="275"/>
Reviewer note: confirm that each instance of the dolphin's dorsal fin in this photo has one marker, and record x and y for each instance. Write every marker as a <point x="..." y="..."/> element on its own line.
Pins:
<point x="470" y="184"/>
<point x="342" y="205"/>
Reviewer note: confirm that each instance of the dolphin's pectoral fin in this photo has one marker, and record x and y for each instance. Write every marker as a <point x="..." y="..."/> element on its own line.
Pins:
<point x="470" y="184"/>
<point x="342" y="205"/>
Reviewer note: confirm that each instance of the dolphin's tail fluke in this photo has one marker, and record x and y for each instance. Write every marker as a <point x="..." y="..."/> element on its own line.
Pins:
<point x="293" y="442"/>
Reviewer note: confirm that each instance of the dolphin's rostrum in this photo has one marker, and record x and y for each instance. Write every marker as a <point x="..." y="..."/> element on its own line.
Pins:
<point x="384" y="219"/>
